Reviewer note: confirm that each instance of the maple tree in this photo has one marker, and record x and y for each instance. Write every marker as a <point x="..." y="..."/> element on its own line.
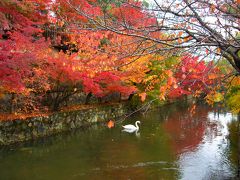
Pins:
<point x="176" y="76"/>
<point x="192" y="25"/>
<point x="207" y="29"/>
<point x="196" y="77"/>
<point x="57" y="49"/>
<point x="27" y="68"/>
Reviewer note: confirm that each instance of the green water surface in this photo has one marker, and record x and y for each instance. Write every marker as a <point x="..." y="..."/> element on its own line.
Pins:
<point x="174" y="142"/>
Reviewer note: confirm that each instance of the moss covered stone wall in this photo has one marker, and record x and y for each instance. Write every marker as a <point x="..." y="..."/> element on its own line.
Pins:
<point x="31" y="128"/>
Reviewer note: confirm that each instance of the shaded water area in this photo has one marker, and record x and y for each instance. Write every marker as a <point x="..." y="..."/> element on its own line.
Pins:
<point x="177" y="141"/>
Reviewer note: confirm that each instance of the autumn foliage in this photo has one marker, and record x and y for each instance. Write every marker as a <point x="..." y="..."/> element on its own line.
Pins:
<point x="85" y="59"/>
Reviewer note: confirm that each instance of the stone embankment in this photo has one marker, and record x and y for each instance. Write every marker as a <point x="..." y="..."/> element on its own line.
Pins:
<point x="19" y="130"/>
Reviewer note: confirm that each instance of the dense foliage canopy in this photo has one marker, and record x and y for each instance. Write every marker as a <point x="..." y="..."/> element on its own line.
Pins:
<point x="100" y="47"/>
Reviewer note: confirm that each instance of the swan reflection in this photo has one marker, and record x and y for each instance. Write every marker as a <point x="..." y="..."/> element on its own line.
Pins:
<point x="137" y="133"/>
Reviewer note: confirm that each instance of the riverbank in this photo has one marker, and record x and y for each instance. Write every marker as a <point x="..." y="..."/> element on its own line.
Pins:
<point x="20" y="130"/>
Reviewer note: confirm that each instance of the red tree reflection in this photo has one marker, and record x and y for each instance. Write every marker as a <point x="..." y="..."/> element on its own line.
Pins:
<point x="186" y="127"/>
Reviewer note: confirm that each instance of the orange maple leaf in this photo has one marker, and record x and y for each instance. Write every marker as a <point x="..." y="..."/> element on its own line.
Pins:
<point x="212" y="76"/>
<point x="110" y="124"/>
<point x="143" y="96"/>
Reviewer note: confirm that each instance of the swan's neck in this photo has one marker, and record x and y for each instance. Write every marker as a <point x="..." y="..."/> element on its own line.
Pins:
<point x="136" y="124"/>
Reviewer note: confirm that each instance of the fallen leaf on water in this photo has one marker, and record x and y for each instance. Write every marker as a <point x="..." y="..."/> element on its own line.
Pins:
<point x="110" y="124"/>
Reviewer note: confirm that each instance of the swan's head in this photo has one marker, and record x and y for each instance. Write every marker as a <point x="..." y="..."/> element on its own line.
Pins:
<point x="138" y="122"/>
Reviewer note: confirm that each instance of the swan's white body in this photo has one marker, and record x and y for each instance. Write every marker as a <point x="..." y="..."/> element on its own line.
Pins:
<point x="131" y="127"/>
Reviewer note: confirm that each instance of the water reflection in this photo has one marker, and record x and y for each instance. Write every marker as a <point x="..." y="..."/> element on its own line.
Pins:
<point x="208" y="160"/>
<point x="175" y="143"/>
<point x="186" y="129"/>
<point x="131" y="131"/>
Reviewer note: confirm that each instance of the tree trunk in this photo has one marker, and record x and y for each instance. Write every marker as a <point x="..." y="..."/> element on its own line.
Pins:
<point x="13" y="99"/>
<point x="130" y="97"/>
<point x="89" y="95"/>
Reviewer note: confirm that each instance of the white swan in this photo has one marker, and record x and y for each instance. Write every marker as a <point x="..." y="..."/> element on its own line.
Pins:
<point x="131" y="127"/>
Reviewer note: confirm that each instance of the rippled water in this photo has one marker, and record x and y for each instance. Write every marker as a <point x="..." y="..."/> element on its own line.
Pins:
<point x="174" y="142"/>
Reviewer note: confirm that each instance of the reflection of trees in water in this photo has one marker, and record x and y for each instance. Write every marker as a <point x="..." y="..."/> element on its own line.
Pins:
<point x="233" y="128"/>
<point x="54" y="143"/>
<point x="186" y="127"/>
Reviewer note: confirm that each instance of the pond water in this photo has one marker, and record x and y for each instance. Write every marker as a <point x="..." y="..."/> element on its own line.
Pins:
<point x="177" y="141"/>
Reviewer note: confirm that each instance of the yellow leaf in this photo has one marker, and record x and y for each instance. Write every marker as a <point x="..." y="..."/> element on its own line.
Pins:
<point x="235" y="81"/>
<point x="218" y="97"/>
<point x="162" y="97"/>
<point x="214" y="97"/>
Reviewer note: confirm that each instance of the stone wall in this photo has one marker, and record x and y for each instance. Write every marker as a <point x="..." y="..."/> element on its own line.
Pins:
<point x="31" y="128"/>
